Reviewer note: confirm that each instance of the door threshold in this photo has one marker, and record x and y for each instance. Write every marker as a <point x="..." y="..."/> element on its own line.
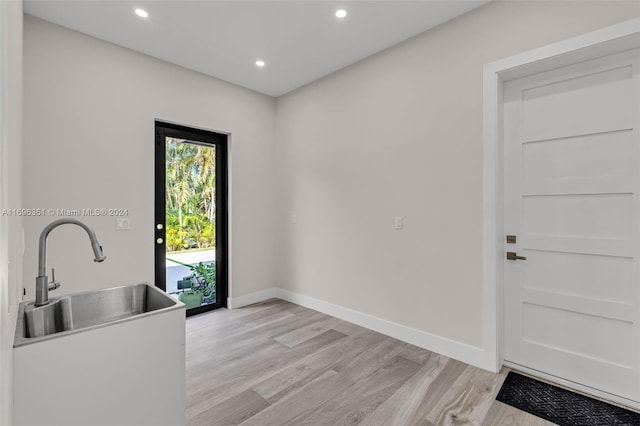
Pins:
<point x="574" y="387"/>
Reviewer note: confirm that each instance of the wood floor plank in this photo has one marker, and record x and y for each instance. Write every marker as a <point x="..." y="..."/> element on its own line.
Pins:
<point x="208" y="351"/>
<point x="307" y="332"/>
<point x="223" y="317"/>
<point x="353" y="405"/>
<point x="407" y="405"/>
<point x="234" y="411"/>
<point x="200" y="377"/>
<point x="503" y="414"/>
<point x="468" y="400"/>
<point x="439" y="387"/>
<point x="246" y="375"/>
<point x="270" y="308"/>
<point x="349" y="329"/>
<point x="416" y="354"/>
<point x="231" y="331"/>
<point x="373" y="358"/>
<point x="299" y="404"/>
<point x="307" y="369"/>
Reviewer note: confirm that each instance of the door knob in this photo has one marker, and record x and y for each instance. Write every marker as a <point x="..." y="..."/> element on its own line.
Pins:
<point x="511" y="255"/>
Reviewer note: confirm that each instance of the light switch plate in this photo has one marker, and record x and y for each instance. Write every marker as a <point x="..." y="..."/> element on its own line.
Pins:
<point x="122" y="224"/>
<point x="397" y="223"/>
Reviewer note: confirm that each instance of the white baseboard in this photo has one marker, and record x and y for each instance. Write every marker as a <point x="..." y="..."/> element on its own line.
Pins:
<point x="453" y="349"/>
<point x="251" y="298"/>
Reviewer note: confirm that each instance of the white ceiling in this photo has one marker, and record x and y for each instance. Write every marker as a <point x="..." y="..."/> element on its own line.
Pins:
<point x="300" y="41"/>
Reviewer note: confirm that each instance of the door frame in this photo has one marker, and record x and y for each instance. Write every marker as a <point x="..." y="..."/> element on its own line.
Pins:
<point x="220" y="140"/>
<point x="608" y="40"/>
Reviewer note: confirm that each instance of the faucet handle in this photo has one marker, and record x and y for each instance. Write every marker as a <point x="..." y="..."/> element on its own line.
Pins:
<point x="53" y="284"/>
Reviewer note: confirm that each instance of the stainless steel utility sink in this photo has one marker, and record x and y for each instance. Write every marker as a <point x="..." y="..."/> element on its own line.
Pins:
<point x="84" y="311"/>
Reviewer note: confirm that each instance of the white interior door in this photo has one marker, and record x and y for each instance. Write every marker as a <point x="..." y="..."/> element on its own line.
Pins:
<point x="571" y="156"/>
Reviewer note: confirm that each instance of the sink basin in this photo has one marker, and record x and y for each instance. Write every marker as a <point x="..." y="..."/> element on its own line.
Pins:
<point x="84" y="311"/>
<point x="52" y="318"/>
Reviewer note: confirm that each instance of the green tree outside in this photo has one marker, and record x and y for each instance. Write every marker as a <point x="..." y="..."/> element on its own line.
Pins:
<point x="190" y="196"/>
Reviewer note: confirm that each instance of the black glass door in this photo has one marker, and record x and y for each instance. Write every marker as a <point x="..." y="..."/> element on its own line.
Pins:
<point x="191" y="216"/>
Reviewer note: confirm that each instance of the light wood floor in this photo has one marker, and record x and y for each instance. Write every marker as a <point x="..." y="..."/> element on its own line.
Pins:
<point x="276" y="363"/>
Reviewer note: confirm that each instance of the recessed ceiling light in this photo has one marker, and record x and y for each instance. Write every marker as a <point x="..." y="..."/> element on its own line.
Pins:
<point x="260" y="63"/>
<point x="142" y="13"/>
<point x="341" y="13"/>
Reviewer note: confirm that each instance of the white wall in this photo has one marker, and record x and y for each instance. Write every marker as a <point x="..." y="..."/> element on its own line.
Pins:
<point x="89" y="142"/>
<point x="10" y="191"/>
<point x="400" y="134"/>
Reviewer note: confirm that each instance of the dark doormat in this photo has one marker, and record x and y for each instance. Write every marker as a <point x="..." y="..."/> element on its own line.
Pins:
<point x="561" y="406"/>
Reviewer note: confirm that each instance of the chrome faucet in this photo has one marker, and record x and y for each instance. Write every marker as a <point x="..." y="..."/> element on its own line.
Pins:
<point x="42" y="281"/>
